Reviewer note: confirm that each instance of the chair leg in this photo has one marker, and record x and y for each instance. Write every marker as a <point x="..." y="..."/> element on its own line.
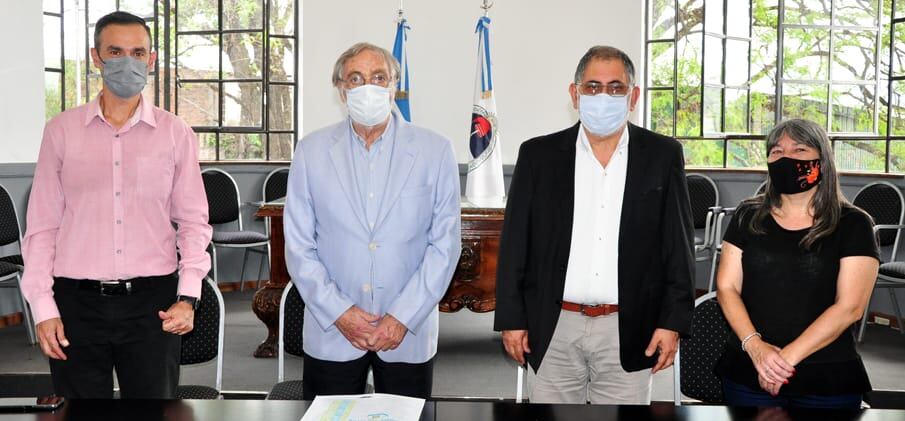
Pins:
<point x="713" y="264"/>
<point x="263" y="257"/>
<point x="261" y="270"/>
<point x="26" y="311"/>
<point x="863" y="321"/>
<point x="214" y="263"/>
<point x="242" y="272"/>
<point x="895" y="306"/>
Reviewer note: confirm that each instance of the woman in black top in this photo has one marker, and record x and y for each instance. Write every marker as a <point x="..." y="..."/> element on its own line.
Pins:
<point x="798" y="267"/>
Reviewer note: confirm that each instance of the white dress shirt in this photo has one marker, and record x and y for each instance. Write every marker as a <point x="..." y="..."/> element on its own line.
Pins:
<point x="592" y="274"/>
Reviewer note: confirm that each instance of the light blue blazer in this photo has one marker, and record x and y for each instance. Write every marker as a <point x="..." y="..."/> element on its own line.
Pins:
<point x="401" y="267"/>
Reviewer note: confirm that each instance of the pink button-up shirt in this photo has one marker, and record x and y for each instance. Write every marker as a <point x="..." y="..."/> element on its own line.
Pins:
<point x="104" y="201"/>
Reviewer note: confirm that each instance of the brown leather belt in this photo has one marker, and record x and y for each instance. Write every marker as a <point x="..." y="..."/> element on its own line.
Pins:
<point x="591" y="311"/>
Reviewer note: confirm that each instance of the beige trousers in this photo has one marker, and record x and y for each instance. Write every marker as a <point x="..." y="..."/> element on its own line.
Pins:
<point x="582" y="364"/>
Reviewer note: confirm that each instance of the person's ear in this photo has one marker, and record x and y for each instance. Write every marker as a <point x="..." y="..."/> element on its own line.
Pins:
<point x="636" y="93"/>
<point x="573" y="93"/>
<point x="152" y="58"/>
<point x="96" y="59"/>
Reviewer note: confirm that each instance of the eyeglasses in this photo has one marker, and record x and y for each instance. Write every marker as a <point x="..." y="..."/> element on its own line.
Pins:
<point x="356" y="80"/>
<point x="596" y="88"/>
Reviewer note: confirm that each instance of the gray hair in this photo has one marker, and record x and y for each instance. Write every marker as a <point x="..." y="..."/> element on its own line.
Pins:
<point x="827" y="202"/>
<point x="605" y="52"/>
<point x="339" y="67"/>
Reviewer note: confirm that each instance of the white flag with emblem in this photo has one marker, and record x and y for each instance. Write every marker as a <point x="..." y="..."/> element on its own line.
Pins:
<point x="484" y="183"/>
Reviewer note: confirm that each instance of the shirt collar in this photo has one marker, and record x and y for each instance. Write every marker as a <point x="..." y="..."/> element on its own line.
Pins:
<point x="585" y="144"/>
<point x="386" y="131"/>
<point x="144" y="112"/>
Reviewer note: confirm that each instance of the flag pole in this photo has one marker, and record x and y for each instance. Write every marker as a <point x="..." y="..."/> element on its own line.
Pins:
<point x="487" y="4"/>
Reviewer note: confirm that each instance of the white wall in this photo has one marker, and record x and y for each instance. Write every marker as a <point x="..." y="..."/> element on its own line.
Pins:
<point x="21" y="80"/>
<point x="535" y="45"/>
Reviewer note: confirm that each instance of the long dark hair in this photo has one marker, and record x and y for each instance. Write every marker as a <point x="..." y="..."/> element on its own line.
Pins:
<point x="827" y="202"/>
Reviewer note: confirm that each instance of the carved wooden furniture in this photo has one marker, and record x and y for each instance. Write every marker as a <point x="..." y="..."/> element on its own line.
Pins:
<point x="266" y="303"/>
<point x="474" y="283"/>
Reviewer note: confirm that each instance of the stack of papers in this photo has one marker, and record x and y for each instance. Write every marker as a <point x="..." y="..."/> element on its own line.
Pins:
<point x="371" y="407"/>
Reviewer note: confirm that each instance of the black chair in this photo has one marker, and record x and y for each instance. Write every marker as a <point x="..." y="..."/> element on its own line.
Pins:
<point x="704" y="196"/>
<point x="292" y="316"/>
<point x="761" y="188"/>
<point x="275" y="184"/>
<point x="884" y="203"/>
<point x="721" y="214"/>
<point x="205" y="342"/>
<point x="696" y="358"/>
<point x="274" y="188"/>
<point x="223" y="207"/>
<point x="11" y="267"/>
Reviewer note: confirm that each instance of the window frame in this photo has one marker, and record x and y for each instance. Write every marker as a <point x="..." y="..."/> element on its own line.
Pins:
<point x="264" y="129"/>
<point x="165" y="81"/>
<point x="61" y="70"/>
<point x="781" y="26"/>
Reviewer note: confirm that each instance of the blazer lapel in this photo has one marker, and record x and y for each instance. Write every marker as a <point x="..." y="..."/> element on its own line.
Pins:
<point x="565" y="187"/>
<point x="635" y="175"/>
<point x="341" y="156"/>
<point x="401" y="163"/>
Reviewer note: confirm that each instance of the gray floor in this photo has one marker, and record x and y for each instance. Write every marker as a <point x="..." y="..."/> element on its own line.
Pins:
<point x="469" y="362"/>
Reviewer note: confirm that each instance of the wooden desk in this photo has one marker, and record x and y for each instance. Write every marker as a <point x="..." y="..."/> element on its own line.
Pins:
<point x="474" y="283"/>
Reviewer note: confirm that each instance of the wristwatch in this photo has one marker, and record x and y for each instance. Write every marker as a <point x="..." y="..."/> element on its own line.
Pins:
<point x="188" y="299"/>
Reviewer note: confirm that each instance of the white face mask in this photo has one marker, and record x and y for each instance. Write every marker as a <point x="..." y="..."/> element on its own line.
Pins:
<point x="369" y="105"/>
<point x="602" y="114"/>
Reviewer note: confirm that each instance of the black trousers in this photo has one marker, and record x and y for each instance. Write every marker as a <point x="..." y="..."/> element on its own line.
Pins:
<point x="116" y="332"/>
<point x="322" y="377"/>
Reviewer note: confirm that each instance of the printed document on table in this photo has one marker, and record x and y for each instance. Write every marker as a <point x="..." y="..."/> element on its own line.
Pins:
<point x="371" y="407"/>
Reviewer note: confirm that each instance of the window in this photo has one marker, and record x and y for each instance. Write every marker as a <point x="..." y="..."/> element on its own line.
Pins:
<point x="54" y="62"/>
<point x="236" y="76"/>
<point x="228" y="67"/>
<point x="721" y="73"/>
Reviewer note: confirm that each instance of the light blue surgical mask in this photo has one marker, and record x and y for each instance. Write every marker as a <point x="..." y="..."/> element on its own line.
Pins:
<point x="369" y="105"/>
<point x="125" y="76"/>
<point x="603" y="114"/>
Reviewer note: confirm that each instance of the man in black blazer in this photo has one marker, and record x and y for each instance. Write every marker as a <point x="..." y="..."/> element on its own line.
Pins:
<point x="595" y="275"/>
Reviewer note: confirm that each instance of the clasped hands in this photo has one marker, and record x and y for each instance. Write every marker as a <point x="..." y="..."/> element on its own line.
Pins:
<point x="774" y="366"/>
<point x="369" y="332"/>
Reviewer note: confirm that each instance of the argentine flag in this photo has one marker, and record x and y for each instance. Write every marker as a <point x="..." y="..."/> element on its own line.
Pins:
<point x="399" y="51"/>
<point x="484" y="183"/>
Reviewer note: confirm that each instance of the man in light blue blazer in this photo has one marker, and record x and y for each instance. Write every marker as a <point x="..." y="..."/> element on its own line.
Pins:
<point x="372" y="228"/>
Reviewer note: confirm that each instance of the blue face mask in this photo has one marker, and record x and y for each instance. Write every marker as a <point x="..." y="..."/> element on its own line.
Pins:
<point x="603" y="114"/>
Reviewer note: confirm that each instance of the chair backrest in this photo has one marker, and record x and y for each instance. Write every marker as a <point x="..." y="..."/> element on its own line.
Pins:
<point x="703" y="194"/>
<point x="698" y="354"/>
<point x="222" y="197"/>
<point x="292" y="317"/>
<point x="884" y="203"/>
<point x="275" y="184"/>
<point x="760" y="188"/>
<point x="9" y="219"/>
<point x="205" y="342"/>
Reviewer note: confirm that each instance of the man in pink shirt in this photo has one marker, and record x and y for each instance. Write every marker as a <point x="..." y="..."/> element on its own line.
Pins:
<point x="103" y="278"/>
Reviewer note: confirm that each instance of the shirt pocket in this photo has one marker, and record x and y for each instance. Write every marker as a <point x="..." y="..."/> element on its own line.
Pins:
<point x="155" y="178"/>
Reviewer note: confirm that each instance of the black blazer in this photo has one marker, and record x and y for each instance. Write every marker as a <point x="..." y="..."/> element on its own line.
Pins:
<point x="656" y="243"/>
